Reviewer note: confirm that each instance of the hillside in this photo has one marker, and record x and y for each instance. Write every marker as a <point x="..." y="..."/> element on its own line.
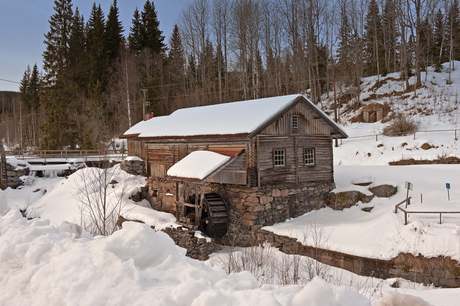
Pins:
<point x="45" y="261"/>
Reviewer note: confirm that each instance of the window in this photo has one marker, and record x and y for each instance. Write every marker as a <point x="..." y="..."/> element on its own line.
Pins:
<point x="309" y="156"/>
<point x="278" y="158"/>
<point x="295" y="121"/>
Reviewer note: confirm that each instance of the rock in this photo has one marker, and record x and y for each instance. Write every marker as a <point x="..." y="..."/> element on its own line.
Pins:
<point x="347" y="199"/>
<point x="383" y="191"/>
<point x="426" y="146"/>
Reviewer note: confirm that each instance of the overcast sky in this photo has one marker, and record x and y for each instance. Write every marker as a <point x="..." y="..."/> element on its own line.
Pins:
<point x="24" y="22"/>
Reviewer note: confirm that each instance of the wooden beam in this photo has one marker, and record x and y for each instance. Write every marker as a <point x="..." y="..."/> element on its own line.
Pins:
<point x="257" y="160"/>
<point x="296" y="156"/>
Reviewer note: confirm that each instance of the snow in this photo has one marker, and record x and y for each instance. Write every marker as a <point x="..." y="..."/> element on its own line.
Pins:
<point x="219" y="119"/>
<point x="44" y="265"/>
<point x="133" y="158"/>
<point x="197" y="165"/>
<point x="52" y="260"/>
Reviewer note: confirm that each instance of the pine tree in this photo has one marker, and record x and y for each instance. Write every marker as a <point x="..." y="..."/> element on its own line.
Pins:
<point x="113" y="33"/>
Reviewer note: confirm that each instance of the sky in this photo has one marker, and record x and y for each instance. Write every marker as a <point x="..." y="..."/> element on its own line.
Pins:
<point x="23" y="24"/>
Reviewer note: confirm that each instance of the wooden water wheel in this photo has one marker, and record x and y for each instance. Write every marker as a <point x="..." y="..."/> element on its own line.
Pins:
<point x="214" y="215"/>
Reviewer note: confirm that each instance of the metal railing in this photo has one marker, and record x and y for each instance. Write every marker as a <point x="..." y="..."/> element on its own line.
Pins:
<point x="376" y="135"/>
<point x="406" y="212"/>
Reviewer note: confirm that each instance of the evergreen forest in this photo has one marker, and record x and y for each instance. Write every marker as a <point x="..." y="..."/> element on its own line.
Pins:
<point x="100" y="76"/>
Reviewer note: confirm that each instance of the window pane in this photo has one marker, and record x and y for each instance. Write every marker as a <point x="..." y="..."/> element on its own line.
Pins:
<point x="278" y="157"/>
<point x="295" y="121"/>
<point x="309" y="156"/>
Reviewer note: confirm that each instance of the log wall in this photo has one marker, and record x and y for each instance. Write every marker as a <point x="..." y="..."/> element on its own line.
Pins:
<point x="294" y="171"/>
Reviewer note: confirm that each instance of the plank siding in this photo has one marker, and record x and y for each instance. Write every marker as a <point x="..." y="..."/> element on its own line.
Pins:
<point x="162" y="157"/>
<point x="234" y="173"/>
<point x="137" y="148"/>
<point x="308" y="123"/>
<point x="270" y="174"/>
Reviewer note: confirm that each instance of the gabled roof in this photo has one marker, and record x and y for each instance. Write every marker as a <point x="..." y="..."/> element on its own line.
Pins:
<point x="246" y="118"/>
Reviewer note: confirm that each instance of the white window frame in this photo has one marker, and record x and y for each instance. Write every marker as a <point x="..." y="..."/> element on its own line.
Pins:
<point x="279" y="157"/>
<point x="309" y="156"/>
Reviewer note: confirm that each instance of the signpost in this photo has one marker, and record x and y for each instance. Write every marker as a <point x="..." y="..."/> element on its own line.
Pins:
<point x="409" y="186"/>
<point x="448" y="188"/>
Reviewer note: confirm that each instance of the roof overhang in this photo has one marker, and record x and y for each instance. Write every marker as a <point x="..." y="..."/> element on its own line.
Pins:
<point x="212" y="160"/>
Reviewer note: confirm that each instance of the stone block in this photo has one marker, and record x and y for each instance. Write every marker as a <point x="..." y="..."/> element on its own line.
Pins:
<point x="276" y="193"/>
<point x="265" y="200"/>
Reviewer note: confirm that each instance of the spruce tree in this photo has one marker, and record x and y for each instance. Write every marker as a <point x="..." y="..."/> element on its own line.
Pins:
<point x="439" y="43"/>
<point x="57" y="131"/>
<point x="151" y="34"/>
<point x="390" y="36"/>
<point x="176" y="64"/>
<point x="135" y="36"/>
<point x="24" y="87"/>
<point x="453" y="30"/>
<point x="77" y="66"/>
<point x="57" y="41"/>
<point x="113" y="33"/>
<point x="373" y="39"/>
<point x="95" y="51"/>
<point x="34" y="88"/>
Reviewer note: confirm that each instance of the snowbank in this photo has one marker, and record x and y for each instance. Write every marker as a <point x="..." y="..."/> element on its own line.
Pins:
<point x="382" y="233"/>
<point x="3" y="203"/>
<point x="42" y="265"/>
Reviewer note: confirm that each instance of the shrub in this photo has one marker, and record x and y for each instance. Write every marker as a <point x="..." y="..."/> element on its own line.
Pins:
<point x="400" y="125"/>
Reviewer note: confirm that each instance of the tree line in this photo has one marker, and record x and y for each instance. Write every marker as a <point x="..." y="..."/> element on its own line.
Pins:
<point x="95" y="79"/>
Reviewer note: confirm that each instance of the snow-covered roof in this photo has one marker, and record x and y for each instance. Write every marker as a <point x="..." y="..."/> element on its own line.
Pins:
<point x="198" y="165"/>
<point x="244" y="117"/>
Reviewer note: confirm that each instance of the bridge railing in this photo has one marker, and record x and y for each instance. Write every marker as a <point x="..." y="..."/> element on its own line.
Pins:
<point x="84" y="155"/>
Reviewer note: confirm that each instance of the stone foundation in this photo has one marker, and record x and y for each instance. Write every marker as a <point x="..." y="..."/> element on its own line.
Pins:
<point x="135" y="166"/>
<point x="249" y="208"/>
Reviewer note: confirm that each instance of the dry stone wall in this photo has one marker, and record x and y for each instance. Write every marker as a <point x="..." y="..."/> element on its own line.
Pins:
<point x="440" y="271"/>
<point x="14" y="173"/>
<point x="250" y="208"/>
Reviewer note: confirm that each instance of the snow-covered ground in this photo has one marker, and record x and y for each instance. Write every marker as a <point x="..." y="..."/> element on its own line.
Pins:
<point x="50" y="261"/>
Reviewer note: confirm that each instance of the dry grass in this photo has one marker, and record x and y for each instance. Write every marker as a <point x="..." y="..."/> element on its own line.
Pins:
<point x="400" y="125"/>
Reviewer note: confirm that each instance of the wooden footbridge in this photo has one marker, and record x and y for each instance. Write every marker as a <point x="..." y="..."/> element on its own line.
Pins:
<point x="99" y="158"/>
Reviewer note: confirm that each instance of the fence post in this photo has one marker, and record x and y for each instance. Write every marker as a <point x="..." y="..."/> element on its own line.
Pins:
<point x="405" y="218"/>
<point x="455" y="135"/>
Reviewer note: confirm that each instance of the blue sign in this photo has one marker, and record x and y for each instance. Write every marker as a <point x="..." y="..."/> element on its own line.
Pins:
<point x="448" y="185"/>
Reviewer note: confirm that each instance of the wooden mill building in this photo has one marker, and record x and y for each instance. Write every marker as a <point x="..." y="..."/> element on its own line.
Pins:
<point x="279" y="158"/>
